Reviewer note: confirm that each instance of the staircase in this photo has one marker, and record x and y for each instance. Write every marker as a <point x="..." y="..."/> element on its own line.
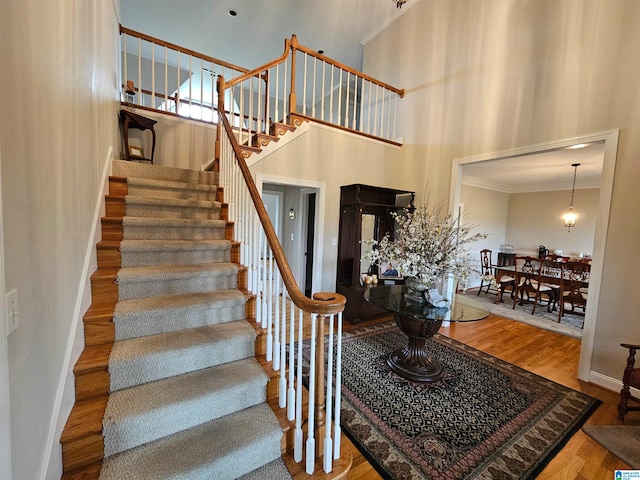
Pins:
<point x="168" y="385"/>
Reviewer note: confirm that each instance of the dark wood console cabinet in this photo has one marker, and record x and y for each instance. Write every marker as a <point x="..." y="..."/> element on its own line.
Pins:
<point x="365" y="214"/>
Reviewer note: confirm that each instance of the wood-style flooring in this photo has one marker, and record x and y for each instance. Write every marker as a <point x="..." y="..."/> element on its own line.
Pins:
<point x="552" y="356"/>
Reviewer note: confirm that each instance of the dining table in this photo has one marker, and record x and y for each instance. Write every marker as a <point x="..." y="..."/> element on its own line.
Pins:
<point x="555" y="275"/>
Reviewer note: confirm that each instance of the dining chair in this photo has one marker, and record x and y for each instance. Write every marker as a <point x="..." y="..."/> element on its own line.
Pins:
<point x="528" y="282"/>
<point x="575" y="286"/>
<point x="489" y="280"/>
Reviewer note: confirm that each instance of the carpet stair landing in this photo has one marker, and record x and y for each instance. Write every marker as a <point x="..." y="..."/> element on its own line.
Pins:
<point x="186" y="396"/>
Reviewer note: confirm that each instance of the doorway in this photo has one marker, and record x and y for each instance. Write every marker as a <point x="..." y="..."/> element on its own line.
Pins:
<point x="309" y="200"/>
<point x="610" y="140"/>
<point x="302" y="214"/>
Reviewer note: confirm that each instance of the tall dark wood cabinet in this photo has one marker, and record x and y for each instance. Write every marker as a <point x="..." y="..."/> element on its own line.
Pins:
<point x="365" y="214"/>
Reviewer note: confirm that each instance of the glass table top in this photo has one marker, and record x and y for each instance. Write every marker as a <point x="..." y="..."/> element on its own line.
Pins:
<point x="392" y="298"/>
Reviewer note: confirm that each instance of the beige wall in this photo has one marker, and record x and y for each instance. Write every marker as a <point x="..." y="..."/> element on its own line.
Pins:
<point x="491" y="75"/>
<point x="488" y="210"/>
<point x="536" y="219"/>
<point x="59" y="102"/>
<point x="335" y="158"/>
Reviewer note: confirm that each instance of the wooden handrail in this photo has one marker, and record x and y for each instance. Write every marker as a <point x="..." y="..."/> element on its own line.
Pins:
<point x="327" y="303"/>
<point x="182" y="49"/>
<point x="399" y="91"/>
<point x="258" y="71"/>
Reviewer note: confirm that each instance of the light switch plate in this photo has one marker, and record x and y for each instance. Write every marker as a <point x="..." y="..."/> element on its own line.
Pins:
<point x="13" y="310"/>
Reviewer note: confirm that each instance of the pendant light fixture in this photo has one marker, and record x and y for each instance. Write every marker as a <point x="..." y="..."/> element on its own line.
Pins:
<point x="570" y="217"/>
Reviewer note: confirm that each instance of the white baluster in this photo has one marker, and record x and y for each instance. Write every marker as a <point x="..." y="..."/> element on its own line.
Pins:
<point x="283" y="343"/>
<point x="328" y="443"/>
<point x="331" y="96"/>
<point x="304" y="85"/>
<point x="346" y="102"/>
<point x="291" y="400"/>
<point x="139" y="72"/>
<point x="322" y="91"/>
<point x="297" y="444"/>
<point x="313" y="94"/>
<point x="275" y="281"/>
<point x="339" y="120"/>
<point x="311" y="441"/>
<point x="336" y="424"/>
<point x="166" y="78"/>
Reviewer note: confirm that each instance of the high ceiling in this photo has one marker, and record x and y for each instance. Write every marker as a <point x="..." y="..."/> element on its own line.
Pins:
<point x="255" y="35"/>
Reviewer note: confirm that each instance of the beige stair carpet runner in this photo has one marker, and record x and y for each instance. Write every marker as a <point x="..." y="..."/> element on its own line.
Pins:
<point x="188" y="398"/>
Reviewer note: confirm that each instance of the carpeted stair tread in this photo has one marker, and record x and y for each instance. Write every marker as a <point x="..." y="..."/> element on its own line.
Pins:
<point x="170" y="202"/>
<point x="173" y="252"/>
<point x="140" y="360"/>
<point x="137" y="182"/>
<point x="172" y="222"/>
<point x="225" y="448"/>
<point x="152" y="315"/>
<point x="153" y="281"/>
<point x="172" y="245"/>
<point x="144" y="228"/>
<point x="275" y="470"/>
<point x="145" y="413"/>
<point x="129" y="169"/>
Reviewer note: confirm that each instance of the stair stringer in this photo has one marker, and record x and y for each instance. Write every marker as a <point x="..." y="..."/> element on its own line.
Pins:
<point x="272" y="147"/>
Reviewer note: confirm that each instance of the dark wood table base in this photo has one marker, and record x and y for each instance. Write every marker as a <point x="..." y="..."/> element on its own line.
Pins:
<point x="413" y="362"/>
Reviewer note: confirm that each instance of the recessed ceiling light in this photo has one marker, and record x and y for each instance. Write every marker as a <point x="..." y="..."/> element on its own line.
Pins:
<point x="232" y="13"/>
<point x="579" y="145"/>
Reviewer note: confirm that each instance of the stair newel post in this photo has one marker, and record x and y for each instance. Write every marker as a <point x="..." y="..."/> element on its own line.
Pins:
<point x="311" y="443"/>
<point x="292" y="92"/>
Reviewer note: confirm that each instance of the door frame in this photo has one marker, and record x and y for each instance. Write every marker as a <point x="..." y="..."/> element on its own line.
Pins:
<point x="320" y="189"/>
<point x="5" y="411"/>
<point x="610" y="139"/>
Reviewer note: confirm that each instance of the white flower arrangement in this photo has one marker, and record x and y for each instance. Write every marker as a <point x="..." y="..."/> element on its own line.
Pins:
<point x="429" y="245"/>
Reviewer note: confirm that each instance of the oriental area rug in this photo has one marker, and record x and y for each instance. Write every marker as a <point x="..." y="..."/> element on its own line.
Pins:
<point x="487" y="419"/>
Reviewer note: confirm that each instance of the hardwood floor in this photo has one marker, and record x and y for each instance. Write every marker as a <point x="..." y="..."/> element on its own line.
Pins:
<point x="547" y="354"/>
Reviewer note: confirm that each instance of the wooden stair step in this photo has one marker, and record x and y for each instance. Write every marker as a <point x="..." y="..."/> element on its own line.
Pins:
<point x="248" y="150"/>
<point x="118" y="186"/>
<point x="104" y="288"/>
<point x="92" y="372"/>
<point x="108" y="252"/>
<point x="278" y="129"/>
<point x="115" y="206"/>
<point x="81" y="439"/>
<point x="261" y="140"/>
<point x="98" y="324"/>
<point x="112" y="228"/>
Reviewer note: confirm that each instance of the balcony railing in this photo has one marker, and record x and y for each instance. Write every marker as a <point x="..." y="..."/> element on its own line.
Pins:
<point x="299" y="85"/>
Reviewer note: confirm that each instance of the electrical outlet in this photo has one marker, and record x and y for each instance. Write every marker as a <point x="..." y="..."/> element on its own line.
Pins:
<point x="13" y="310"/>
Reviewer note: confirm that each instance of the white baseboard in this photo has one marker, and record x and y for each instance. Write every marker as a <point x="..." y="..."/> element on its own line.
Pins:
<point x="612" y="384"/>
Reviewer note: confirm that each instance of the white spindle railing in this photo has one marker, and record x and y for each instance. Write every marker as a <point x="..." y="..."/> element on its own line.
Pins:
<point x="169" y="78"/>
<point x="178" y="81"/>
<point x="330" y="93"/>
<point x="274" y="292"/>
